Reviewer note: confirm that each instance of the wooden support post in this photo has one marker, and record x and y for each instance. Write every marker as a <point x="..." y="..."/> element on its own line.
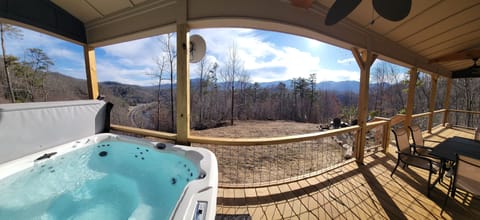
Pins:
<point x="91" y="69"/>
<point x="411" y="96"/>
<point x="183" y="84"/>
<point x="364" y="61"/>
<point x="433" y="98"/>
<point x="446" y="102"/>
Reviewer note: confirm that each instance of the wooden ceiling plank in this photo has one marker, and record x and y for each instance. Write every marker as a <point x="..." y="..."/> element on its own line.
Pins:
<point x="451" y="49"/>
<point x="429" y="17"/>
<point x="448" y="24"/>
<point x="384" y="26"/>
<point x="456" y="36"/>
<point x="461" y="28"/>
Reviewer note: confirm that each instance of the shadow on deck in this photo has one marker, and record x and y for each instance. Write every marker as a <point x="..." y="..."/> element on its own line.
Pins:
<point x="355" y="191"/>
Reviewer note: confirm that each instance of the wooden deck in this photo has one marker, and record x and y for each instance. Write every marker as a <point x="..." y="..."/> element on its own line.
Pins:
<point x="355" y="191"/>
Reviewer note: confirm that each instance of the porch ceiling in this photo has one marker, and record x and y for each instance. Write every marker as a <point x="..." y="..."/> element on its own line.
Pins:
<point x="433" y="29"/>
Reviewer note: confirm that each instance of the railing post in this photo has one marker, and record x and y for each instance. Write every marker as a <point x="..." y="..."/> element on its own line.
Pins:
<point x="364" y="61"/>
<point x="91" y="70"/>
<point x="386" y="136"/>
<point x="446" y="101"/>
<point x="411" y="95"/>
<point x="433" y="96"/>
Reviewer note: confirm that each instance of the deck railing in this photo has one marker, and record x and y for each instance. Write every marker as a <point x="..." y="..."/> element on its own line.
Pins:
<point x="462" y="118"/>
<point x="377" y="132"/>
<point x="144" y="132"/>
<point x="266" y="161"/>
<point x="421" y="119"/>
<point x="437" y="118"/>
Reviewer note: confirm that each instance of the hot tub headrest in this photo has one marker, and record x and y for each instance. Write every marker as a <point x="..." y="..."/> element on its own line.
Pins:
<point x="27" y="128"/>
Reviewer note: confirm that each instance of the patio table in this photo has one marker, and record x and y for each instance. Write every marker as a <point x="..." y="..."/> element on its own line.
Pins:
<point x="456" y="145"/>
<point x="447" y="150"/>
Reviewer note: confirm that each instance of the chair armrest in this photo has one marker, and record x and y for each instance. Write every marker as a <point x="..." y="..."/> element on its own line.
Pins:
<point x="417" y="161"/>
<point x="416" y="156"/>
<point x="420" y="146"/>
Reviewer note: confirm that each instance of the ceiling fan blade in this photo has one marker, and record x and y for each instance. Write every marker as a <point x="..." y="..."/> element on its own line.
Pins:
<point x="339" y="10"/>
<point x="461" y="55"/>
<point x="470" y="72"/>
<point x="393" y="10"/>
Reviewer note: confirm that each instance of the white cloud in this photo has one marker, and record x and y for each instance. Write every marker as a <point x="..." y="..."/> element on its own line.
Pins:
<point x="135" y="53"/>
<point x="347" y="61"/>
<point x="314" y="43"/>
<point x="63" y="53"/>
<point x="266" y="61"/>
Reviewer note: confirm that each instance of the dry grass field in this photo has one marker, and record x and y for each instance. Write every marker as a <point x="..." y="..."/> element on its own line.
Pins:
<point x="254" y="128"/>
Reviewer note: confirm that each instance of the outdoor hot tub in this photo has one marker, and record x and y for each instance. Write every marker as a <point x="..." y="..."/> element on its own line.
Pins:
<point x="108" y="176"/>
<point x="104" y="176"/>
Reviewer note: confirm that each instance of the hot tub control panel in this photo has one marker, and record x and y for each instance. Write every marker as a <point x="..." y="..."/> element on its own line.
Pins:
<point x="201" y="211"/>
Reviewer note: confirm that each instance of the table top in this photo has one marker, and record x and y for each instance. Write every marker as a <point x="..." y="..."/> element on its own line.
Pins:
<point x="456" y="145"/>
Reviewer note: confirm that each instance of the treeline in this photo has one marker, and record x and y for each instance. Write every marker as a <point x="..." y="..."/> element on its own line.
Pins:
<point x="28" y="78"/>
<point x="300" y="101"/>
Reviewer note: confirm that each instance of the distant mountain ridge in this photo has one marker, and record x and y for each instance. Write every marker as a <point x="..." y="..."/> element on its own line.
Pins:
<point x="340" y="86"/>
<point x="337" y="86"/>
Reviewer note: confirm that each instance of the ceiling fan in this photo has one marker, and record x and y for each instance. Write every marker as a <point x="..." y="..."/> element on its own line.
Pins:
<point x="393" y="10"/>
<point x="473" y="71"/>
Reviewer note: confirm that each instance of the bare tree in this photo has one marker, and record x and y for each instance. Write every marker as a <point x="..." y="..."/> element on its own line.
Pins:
<point x="161" y="63"/>
<point x="312" y="80"/>
<point x="206" y="69"/>
<point x="32" y="74"/>
<point x="169" y="48"/>
<point x="233" y="69"/>
<point x="7" y="30"/>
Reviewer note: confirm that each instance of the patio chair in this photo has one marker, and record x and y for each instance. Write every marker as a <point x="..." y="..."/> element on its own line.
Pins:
<point x="466" y="177"/>
<point x="418" y="141"/>
<point x="405" y="155"/>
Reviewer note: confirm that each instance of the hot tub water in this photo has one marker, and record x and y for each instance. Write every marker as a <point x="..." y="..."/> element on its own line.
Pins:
<point x="107" y="180"/>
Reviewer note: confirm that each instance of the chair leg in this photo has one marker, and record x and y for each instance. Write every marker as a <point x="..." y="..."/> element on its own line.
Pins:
<point x="428" y="184"/>
<point x="450" y="188"/>
<point x="395" y="168"/>
<point x="444" y="203"/>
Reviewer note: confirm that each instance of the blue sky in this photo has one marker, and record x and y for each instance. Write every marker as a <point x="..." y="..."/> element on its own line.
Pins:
<point x="267" y="56"/>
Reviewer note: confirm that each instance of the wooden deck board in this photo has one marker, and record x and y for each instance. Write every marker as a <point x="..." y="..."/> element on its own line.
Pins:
<point x="355" y="191"/>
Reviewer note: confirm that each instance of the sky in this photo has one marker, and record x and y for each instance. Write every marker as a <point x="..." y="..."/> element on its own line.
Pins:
<point x="267" y="56"/>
